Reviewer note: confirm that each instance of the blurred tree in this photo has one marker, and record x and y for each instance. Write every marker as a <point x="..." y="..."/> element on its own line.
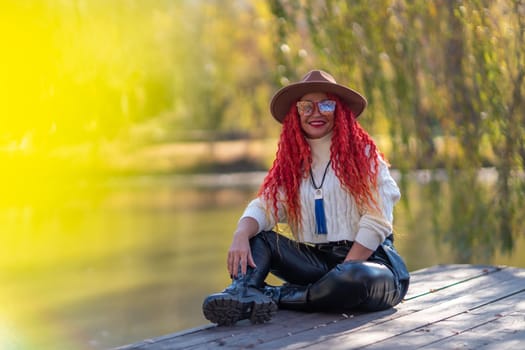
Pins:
<point x="445" y="80"/>
<point x="494" y="73"/>
<point x="229" y="68"/>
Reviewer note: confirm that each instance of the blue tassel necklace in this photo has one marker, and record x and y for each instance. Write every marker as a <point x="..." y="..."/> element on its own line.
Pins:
<point x="320" y="218"/>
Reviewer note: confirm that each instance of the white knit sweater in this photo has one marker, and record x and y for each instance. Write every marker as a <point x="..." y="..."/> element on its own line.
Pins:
<point x="343" y="218"/>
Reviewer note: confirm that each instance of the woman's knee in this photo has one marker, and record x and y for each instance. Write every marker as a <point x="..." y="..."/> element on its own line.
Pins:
<point x="359" y="272"/>
<point x="345" y="286"/>
<point x="377" y="280"/>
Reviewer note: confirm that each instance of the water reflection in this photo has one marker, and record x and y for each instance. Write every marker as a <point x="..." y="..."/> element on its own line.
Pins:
<point x="106" y="265"/>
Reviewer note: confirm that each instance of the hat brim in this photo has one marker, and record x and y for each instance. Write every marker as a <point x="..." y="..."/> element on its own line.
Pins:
<point x="283" y="99"/>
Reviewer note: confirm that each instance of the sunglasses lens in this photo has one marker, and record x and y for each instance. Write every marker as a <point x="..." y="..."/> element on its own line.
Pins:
<point x="326" y="106"/>
<point x="305" y="108"/>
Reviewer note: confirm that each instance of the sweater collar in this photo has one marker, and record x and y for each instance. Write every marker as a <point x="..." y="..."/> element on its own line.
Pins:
<point x="320" y="149"/>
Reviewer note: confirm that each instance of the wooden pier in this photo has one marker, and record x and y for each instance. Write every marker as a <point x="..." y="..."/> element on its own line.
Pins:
<point x="447" y="307"/>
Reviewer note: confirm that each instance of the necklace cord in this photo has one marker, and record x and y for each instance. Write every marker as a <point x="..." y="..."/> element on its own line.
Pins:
<point x="322" y="180"/>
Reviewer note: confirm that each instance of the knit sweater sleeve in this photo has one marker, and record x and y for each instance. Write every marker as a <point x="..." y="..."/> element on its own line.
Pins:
<point x="376" y="225"/>
<point x="258" y="210"/>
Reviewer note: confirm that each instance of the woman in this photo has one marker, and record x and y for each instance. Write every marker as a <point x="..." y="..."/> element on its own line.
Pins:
<point x="331" y="185"/>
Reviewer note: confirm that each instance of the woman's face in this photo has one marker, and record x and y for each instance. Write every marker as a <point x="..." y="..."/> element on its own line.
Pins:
<point x="317" y="120"/>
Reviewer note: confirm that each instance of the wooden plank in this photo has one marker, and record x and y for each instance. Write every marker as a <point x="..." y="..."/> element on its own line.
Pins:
<point x="284" y="323"/>
<point x="411" y="315"/>
<point x="219" y="335"/>
<point x="464" y="323"/>
<point x="431" y="287"/>
<point x="506" y="332"/>
<point x="298" y="331"/>
<point x="424" y="317"/>
<point x="443" y="276"/>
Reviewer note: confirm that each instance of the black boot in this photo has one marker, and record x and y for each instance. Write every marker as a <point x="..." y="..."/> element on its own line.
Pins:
<point x="241" y="300"/>
<point x="289" y="296"/>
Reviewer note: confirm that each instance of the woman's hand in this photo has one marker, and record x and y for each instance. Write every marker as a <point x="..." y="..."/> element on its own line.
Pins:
<point x="240" y="253"/>
<point x="358" y="252"/>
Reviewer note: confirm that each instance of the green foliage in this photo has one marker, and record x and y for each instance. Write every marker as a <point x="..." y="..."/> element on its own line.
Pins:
<point x="445" y="81"/>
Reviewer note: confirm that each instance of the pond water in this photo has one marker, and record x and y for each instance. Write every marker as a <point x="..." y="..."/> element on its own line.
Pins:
<point x="97" y="266"/>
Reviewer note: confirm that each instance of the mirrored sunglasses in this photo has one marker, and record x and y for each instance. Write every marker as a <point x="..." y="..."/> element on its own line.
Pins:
<point x="307" y="108"/>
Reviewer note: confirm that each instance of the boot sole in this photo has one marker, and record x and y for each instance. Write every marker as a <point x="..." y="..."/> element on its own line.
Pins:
<point x="263" y="312"/>
<point x="226" y="311"/>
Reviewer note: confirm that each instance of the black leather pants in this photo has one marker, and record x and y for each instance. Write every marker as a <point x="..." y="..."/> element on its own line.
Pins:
<point x="318" y="280"/>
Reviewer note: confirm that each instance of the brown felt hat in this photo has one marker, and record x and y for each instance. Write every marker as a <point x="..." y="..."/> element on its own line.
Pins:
<point x="314" y="81"/>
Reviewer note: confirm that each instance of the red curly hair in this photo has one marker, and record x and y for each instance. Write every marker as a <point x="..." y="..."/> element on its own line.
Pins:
<point x="354" y="158"/>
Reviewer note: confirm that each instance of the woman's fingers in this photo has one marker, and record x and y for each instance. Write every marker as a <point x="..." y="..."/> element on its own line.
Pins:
<point x="238" y="263"/>
<point x="239" y="257"/>
<point x="234" y="260"/>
